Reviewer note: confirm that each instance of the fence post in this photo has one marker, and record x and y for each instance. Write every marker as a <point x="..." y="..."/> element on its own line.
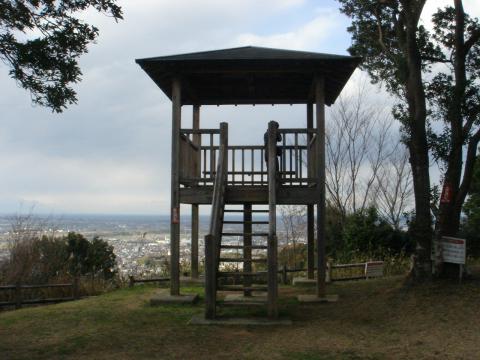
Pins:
<point x="75" y="287"/>
<point x="284" y="275"/>
<point x="131" y="281"/>
<point x="18" y="295"/>
<point x="329" y="272"/>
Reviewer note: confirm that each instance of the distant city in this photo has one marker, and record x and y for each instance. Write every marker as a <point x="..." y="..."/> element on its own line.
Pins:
<point x="141" y="242"/>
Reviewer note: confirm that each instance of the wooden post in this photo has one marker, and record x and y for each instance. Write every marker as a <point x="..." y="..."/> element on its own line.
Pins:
<point x="194" y="250"/>
<point x="310" y="208"/>
<point x="197" y="140"/>
<point x="210" y="278"/>
<point x="320" y="161"/>
<point x="310" y="242"/>
<point x="212" y="240"/>
<point x="18" y="295"/>
<point x="329" y="272"/>
<point x="131" y="281"/>
<point x="247" y="243"/>
<point x="284" y="275"/>
<point x="75" y="287"/>
<point x="272" y="233"/>
<point x="175" y="190"/>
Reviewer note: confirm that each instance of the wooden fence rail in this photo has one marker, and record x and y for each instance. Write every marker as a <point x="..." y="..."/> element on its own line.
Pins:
<point x="19" y="298"/>
<point x="367" y="269"/>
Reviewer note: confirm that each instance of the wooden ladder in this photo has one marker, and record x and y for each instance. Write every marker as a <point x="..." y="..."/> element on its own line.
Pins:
<point x="250" y="251"/>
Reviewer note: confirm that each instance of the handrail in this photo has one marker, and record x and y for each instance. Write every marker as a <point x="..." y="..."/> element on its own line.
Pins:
<point x="212" y="240"/>
<point x="199" y="131"/>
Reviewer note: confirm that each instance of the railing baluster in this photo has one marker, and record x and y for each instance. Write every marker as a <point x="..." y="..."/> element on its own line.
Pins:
<point x="243" y="167"/>
<point x="261" y="166"/>
<point x="296" y="155"/>
<point x="253" y="176"/>
<point x="233" y="166"/>
<point x="204" y="173"/>
<point x="283" y="165"/>
<point x="212" y="157"/>
<point x="291" y="165"/>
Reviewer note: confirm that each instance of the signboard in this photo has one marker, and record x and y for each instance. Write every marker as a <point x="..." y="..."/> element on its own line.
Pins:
<point x="175" y="216"/>
<point x="450" y="250"/>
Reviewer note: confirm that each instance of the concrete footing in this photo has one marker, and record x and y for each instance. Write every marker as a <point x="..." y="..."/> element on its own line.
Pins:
<point x="241" y="298"/>
<point x="200" y="320"/>
<point x="301" y="281"/>
<point x="184" y="280"/>
<point x="164" y="297"/>
<point x="315" y="299"/>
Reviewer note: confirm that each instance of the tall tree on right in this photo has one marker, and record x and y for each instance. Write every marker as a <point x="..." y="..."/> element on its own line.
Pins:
<point x="435" y="76"/>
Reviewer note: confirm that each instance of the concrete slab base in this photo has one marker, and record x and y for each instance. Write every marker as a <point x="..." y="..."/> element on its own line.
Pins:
<point x="200" y="320"/>
<point x="315" y="299"/>
<point x="242" y="298"/>
<point x="301" y="281"/>
<point x="192" y="281"/>
<point x="164" y="297"/>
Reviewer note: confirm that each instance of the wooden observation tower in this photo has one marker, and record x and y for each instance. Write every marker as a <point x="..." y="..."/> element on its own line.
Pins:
<point x="206" y="169"/>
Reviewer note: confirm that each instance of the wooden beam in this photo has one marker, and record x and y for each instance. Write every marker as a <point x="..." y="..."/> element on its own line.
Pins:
<point x="175" y="190"/>
<point x="320" y="161"/>
<point x="197" y="138"/>
<point x="310" y="208"/>
<point x="251" y="194"/>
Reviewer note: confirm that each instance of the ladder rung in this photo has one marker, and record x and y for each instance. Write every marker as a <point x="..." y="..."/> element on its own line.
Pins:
<point x="243" y="246"/>
<point x="241" y="288"/>
<point x="239" y="273"/>
<point x="241" y="260"/>
<point x="245" y="222"/>
<point x="243" y="234"/>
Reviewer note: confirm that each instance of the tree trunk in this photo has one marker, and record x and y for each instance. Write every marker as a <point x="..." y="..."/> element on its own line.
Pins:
<point x="422" y="228"/>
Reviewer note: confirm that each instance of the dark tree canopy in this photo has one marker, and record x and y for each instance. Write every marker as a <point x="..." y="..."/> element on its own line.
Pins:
<point x="41" y="41"/>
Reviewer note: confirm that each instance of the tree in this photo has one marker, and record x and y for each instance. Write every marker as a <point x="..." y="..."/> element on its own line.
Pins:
<point x="365" y="160"/>
<point x="434" y="76"/>
<point x="101" y="258"/>
<point x="41" y="41"/>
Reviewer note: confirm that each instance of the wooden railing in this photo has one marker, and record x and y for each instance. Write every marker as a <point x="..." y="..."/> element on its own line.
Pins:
<point x="212" y="240"/>
<point x="18" y="298"/>
<point x="343" y="272"/>
<point x="197" y="162"/>
<point x="247" y="163"/>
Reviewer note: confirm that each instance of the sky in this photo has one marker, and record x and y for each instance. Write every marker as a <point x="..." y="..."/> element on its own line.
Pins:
<point x="110" y="153"/>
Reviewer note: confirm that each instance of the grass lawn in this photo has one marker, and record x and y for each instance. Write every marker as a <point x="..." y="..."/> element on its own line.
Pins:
<point x="375" y="319"/>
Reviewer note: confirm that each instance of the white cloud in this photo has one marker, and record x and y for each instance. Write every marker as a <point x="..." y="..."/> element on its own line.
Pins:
<point x="311" y="35"/>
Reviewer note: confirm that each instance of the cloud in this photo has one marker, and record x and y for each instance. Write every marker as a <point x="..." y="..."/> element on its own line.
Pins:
<point x="311" y="35"/>
<point x="111" y="152"/>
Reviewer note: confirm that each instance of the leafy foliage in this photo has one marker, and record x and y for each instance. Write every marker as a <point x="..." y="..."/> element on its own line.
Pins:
<point x="41" y="41"/>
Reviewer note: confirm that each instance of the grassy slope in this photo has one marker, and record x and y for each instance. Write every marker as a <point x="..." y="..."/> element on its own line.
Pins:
<point x="374" y="319"/>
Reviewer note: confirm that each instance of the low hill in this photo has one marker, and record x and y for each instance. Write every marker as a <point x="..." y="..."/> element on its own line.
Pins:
<point x="374" y="319"/>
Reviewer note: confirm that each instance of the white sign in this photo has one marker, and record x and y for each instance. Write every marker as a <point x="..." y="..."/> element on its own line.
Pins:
<point x="450" y="250"/>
